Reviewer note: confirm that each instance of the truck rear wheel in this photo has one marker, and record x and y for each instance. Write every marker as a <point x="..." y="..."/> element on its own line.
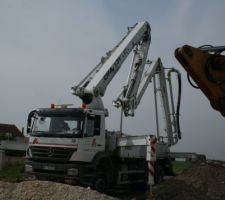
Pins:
<point x="159" y="174"/>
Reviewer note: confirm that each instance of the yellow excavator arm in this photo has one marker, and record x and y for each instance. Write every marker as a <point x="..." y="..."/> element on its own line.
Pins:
<point x="206" y="66"/>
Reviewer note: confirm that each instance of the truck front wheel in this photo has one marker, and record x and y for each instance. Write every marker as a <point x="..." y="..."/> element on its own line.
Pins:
<point x="100" y="183"/>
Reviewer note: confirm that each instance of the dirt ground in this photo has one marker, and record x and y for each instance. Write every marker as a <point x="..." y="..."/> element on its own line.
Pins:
<point x="203" y="181"/>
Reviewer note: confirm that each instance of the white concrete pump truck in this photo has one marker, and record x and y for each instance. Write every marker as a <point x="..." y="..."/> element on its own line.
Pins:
<point x="72" y="144"/>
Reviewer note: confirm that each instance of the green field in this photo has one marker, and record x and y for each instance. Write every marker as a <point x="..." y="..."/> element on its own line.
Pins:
<point x="180" y="166"/>
<point x="12" y="173"/>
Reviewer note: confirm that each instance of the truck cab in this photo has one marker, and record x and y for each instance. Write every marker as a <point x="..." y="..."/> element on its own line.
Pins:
<point x="64" y="139"/>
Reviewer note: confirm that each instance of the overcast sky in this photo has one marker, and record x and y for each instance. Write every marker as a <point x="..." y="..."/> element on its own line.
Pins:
<point x="48" y="46"/>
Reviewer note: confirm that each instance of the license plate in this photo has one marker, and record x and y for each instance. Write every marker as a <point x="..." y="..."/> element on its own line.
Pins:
<point x="48" y="167"/>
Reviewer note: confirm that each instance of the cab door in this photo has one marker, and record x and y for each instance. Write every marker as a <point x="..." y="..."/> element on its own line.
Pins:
<point x="93" y="140"/>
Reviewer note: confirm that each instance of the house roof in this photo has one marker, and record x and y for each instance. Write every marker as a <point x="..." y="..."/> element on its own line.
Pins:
<point x="10" y="128"/>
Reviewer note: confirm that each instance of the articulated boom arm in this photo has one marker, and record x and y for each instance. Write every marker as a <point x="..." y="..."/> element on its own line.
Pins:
<point x="96" y="82"/>
<point x="155" y="73"/>
<point x="94" y="85"/>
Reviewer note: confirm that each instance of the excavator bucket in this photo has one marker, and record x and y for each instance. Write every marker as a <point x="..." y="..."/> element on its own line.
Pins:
<point x="208" y="72"/>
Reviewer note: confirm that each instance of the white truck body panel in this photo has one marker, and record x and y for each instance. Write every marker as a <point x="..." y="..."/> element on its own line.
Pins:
<point x="137" y="147"/>
<point x="134" y="146"/>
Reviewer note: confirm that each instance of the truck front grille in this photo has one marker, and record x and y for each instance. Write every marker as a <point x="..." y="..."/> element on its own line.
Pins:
<point x="52" y="154"/>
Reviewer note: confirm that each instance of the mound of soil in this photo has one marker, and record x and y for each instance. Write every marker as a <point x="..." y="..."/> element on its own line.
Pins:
<point x="201" y="181"/>
<point x="45" y="190"/>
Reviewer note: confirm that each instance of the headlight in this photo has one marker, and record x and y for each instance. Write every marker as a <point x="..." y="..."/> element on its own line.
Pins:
<point x="72" y="172"/>
<point x="28" y="168"/>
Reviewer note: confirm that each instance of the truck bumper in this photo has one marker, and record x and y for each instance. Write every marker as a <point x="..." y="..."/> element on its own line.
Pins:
<point x="76" y="172"/>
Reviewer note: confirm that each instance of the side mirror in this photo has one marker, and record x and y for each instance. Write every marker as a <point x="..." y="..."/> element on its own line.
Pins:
<point x="28" y="130"/>
<point x="24" y="134"/>
<point x="29" y="120"/>
<point x="28" y="124"/>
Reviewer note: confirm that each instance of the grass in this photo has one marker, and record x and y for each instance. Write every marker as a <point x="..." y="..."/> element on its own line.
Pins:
<point x="180" y="166"/>
<point x="12" y="173"/>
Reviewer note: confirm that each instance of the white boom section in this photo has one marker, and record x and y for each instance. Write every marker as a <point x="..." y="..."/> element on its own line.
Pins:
<point x="170" y="128"/>
<point x="154" y="71"/>
<point x="96" y="82"/>
<point x="129" y="99"/>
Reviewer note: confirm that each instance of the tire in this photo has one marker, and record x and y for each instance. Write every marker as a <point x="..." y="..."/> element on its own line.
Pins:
<point x="100" y="183"/>
<point x="145" y="185"/>
<point x="159" y="174"/>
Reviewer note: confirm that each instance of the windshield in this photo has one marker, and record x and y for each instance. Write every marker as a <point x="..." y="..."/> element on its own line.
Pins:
<point x="58" y="125"/>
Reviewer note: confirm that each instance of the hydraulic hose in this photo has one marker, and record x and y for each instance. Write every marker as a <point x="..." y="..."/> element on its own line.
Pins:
<point x="177" y="113"/>
<point x="178" y="104"/>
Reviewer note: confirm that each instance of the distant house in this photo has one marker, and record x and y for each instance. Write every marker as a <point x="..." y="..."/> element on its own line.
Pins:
<point x="10" y="131"/>
<point x="13" y="145"/>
